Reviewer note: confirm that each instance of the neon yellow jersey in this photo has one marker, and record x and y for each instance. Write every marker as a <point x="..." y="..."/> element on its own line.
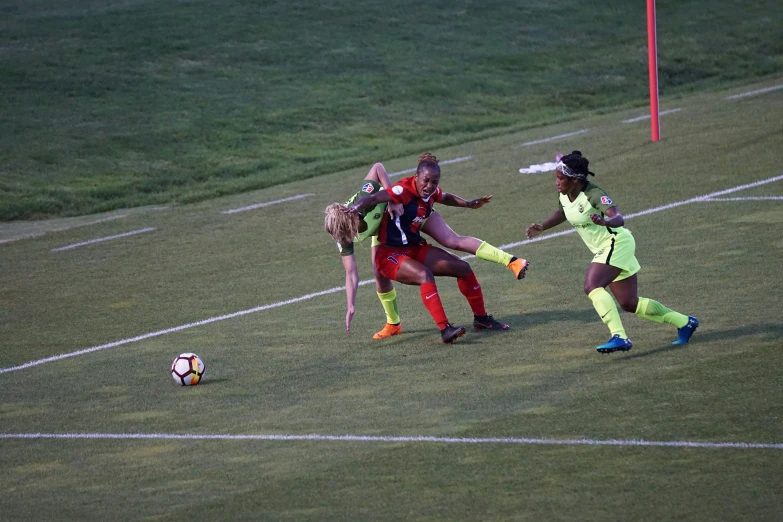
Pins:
<point x="592" y="200"/>
<point x="372" y="217"/>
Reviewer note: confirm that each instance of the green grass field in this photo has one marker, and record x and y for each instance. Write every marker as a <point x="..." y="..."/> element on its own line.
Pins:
<point x="291" y="369"/>
<point x="110" y="104"/>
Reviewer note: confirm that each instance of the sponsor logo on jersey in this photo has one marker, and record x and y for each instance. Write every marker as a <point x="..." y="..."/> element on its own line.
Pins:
<point x="605" y="200"/>
<point x="397" y="189"/>
<point x="581" y="208"/>
<point x="368" y="188"/>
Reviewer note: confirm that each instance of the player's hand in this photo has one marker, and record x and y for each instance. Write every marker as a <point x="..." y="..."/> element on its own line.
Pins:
<point x="394" y="209"/>
<point x="533" y="230"/>
<point x="480" y="202"/>
<point x="348" y="317"/>
<point x="349" y="209"/>
<point x="598" y="220"/>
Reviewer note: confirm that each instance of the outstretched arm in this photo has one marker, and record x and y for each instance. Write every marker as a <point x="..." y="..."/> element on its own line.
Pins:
<point x="369" y="201"/>
<point x="378" y="173"/>
<point x="552" y="221"/>
<point x="452" y="200"/>
<point x="351" y="285"/>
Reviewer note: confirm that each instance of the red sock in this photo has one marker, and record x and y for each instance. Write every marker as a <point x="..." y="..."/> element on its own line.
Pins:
<point x="471" y="289"/>
<point x="431" y="300"/>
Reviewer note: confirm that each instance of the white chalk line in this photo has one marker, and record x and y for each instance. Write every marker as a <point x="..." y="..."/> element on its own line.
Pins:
<point x="101" y="239"/>
<point x="758" y="198"/>
<point x="408" y="171"/>
<point x="553" y="138"/>
<point x="265" y="204"/>
<point x="647" y="117"/>
<point x="393" y="439"/>
<point x="365" y="282"/>
<point x="753" y="93"/>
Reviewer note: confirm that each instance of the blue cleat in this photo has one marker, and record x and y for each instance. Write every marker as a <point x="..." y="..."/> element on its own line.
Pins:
<point x="684" y="333"/>
<point x="615" y="344"/>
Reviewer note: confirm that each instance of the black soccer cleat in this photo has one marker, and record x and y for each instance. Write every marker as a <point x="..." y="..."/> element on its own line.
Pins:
<point x="487" y="322"/>
<point x="450" y="333"/>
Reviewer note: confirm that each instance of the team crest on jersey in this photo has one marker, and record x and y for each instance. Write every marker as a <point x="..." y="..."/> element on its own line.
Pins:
<point x="581" y="208"/>
<point x="367" y="188"/>
<point x="605" y="200"/>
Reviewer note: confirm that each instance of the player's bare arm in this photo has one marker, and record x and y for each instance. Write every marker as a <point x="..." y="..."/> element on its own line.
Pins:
<point x="612" y="218"/>
<point x="369" y="201"/>
<point x="351" y="286"/>
<point x="452" y="200"/>
<point x="552" y="221"/>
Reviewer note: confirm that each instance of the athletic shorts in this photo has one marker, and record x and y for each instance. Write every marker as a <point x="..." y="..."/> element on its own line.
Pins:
<point x="620" y="252"/>
<point x="389" y="259"/>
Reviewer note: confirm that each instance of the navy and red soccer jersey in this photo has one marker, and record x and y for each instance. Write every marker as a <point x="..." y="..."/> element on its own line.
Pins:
<point x="404" y="230"/>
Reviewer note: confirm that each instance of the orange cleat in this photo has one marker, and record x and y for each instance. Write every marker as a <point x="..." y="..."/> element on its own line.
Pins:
<point x="388" y="330"/>
<point x="518" y="266"/>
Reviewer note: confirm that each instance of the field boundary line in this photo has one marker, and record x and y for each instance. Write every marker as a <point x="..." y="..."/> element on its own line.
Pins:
<point x="753" y="93"/>
<point x="265" y="204"/>
<point x="121" y="342"/>
<point x="756" y="198"/>
<point x="553" y="138"/>
<point x="647" y="116"/>
<point x="101" y="239"/>
<point x="395" y="439"/>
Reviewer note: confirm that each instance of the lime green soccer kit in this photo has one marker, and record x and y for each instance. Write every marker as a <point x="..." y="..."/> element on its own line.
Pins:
<point x="613" y="246"/>
<point x="371" y="217"/>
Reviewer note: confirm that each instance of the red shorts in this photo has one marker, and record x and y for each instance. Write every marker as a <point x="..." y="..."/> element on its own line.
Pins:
<point x="389" y="259"/>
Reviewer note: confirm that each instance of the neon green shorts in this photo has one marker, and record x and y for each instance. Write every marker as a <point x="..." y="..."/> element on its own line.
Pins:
<point x="620" y="252"/>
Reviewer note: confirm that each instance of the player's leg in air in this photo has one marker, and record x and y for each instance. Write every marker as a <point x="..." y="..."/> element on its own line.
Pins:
<point x="437" y="228"/>
<point x="388" y="297"/>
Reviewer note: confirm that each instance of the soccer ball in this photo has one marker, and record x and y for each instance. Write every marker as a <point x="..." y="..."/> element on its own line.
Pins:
<point x="188" y="369"/>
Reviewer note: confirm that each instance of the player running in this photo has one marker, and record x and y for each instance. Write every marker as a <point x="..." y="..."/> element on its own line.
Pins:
<point x="600" y="225"/>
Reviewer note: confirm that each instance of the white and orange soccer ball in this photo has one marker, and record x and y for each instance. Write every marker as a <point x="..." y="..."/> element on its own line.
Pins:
<point x="188" y="369"/>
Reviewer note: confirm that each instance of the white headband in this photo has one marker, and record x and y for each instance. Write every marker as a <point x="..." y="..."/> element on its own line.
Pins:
<point x="565" y="170"/>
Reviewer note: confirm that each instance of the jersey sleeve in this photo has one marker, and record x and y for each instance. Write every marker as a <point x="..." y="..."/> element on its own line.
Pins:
<point x="399" y="193"/>
<point x="598" y="198"/>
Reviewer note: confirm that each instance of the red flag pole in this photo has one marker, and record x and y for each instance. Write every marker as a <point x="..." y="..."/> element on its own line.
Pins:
<point x="652" y="61"/>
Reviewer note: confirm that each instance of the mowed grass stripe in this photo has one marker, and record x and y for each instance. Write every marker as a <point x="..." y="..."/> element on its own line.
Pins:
<point x="338" y="289"/>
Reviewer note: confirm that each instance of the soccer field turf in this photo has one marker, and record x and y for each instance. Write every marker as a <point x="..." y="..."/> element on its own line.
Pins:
<point x="527" y="424"/>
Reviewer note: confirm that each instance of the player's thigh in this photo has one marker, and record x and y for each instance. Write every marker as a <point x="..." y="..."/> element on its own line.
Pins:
<point x="443" y="263"/>
<point x="437" y="228"/>
<point x="600" y="275"/>
<point x="411" y="272"/>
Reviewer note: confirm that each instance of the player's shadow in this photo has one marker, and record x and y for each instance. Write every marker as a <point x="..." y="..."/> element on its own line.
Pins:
<point x="773" y="331"/>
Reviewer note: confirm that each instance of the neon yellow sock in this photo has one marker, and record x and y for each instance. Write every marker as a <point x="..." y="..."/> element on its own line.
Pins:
<point x="606" y="307"/>
<point x="487" y="252"/>
<point x="654" y="311"/>
<point x="389" y="303"/>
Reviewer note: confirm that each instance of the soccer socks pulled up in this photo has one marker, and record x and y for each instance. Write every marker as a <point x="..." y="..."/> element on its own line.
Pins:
<point x="389" y="303"/>
<point x="487" y="252"/>
<point x="654" y="311"/>
<point x="607" y="309"/>
<point x="471" y="289"/>
<point x="431" y="300"/>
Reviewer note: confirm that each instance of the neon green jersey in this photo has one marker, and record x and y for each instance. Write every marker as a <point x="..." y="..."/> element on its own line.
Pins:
<point x="372" y="217"/>
<point x="592" y="200"/>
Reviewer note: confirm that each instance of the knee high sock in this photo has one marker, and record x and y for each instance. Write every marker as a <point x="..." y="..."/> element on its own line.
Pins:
<point x="471" y="289"/>
<point x="654" y="311"/>
<point x="389" y="303"/>
<point x="489" y="253"/>
<point x="431" y="300"/>
<point x="606" y="307"/>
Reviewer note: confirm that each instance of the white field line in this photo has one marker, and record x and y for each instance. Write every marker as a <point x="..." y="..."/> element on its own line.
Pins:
<point x="753" y="93"/>
<point x="365" y="282"/>
<point x="408" y="171"/>
<point x="647" y="117"/>
<point x="43" y="233"/>
<point x="553" y="138"/>
<point x="100" y="239"/>
<point x="759" y="198"/>
<point x="266" y="204"/>
<point x="384" y="438"/>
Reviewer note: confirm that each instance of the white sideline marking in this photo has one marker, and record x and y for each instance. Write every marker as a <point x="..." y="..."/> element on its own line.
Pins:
<point x="383" y="438"/>
<point x="553" y="138"/>
<point x="131" y="233"/>
<point x="760" y="198"/>
<point x="30" y="364"/>
<point x="408" y="171"/>
<point x="647" y="117"/>
<point x="259" y="205"/>
<point x="753" y="93"/>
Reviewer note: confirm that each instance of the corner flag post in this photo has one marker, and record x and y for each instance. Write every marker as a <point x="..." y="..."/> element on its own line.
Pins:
<point x="652" y="61"/>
